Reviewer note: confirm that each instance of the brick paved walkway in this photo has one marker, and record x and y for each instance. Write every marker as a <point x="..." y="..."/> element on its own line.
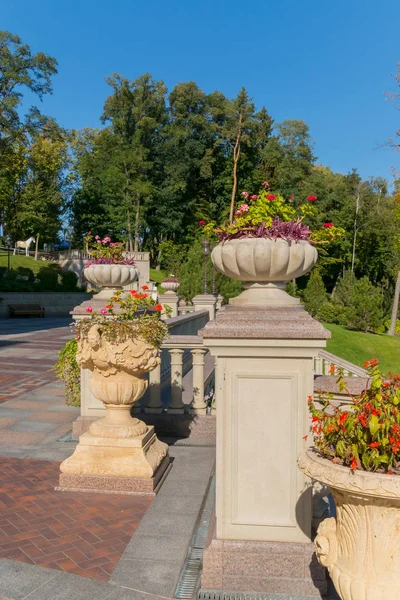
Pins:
<point x="84" y="534"/>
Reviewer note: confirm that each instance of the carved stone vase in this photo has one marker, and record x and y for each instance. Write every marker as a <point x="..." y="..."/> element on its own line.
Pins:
<point x="117" y="445"/>
<point x="361" y="547"/>
<point x="110" y="277"/>
<point x="264" y="266"/>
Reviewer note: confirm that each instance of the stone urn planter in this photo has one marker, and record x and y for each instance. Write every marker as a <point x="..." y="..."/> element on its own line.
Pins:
<point x="116" y="446"/>
<point x="170" y="285"/>
<point x="361" y="547"/>
<point x="110" y="277"/>
<point x="264" y="266"/>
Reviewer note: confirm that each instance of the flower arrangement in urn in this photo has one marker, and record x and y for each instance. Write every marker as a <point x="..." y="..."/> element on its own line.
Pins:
<point x="266" y="244"/>
<point x="171" y="284"/>
<point x="357" y="454"/>
<point x="108" y="267"/>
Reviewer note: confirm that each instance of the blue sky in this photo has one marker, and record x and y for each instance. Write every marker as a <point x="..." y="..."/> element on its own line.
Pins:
<point x="328" y="62"/>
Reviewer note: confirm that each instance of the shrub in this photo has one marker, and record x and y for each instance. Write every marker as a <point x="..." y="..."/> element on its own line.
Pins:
<point x="314" y="295"/>
<point x="69" y="371"/>
<point x="397" y="328"/>
<point x="48" y="279"/>
<point x="365" y="312"/>
<point x="332" y="313"/>
<point x="69" y="281"/>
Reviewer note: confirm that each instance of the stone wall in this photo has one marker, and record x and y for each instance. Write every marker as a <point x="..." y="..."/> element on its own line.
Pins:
<point x="56" y="304"/>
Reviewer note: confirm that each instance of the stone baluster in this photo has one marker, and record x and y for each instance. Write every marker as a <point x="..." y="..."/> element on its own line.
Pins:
<point x="318" y="365"/>
<point x="346" y="373"/>
<point x="198" y="405"/>
<point x="154" y="404"/>
<point x="176" y="405"/>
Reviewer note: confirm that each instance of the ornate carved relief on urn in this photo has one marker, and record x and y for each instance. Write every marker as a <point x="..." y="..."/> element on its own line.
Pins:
<point x="265" y="266"/>
<point x="361" y="547"/>
<point x="117" y="447"/>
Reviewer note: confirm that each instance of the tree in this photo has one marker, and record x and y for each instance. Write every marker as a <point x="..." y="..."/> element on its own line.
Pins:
<point x="136" y="111"/>
<point x="315" y="293"/>
<point x="236" y="132"/>
<point x="20" y="71"/>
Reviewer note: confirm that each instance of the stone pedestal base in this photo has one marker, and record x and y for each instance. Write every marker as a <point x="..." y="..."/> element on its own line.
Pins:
<point x="133" y="457"/>
<point x="182" y="426"/>
<point x="69" y="482"/>
<point x="263" y="568"/>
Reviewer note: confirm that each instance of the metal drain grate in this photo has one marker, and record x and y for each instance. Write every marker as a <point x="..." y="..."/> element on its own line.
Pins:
<point x="190" y="577"/>
<point x="217" y="595"/>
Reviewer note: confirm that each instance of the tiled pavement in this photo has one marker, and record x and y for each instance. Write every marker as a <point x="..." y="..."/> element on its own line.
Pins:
<point x="61" y="545"/>
<point x="84" y="534"/>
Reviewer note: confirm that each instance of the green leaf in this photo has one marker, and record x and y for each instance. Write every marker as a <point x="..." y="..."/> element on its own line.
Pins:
<point x="374" y="425"/>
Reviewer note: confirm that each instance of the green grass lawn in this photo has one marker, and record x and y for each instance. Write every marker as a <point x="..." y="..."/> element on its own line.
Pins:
<point x="23" y="261"/>
<point x="157" y="276"/>
<point x="357" y="347"/>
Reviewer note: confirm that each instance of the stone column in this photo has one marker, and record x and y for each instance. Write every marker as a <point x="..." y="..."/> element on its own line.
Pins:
<point x="198" y="404"/>
<point x="176" y="405"/>
<point x="154" y="404"/>
<point x="205" y="302"/>
<point x="170" y="299"/>
<point x="264" y="375"/>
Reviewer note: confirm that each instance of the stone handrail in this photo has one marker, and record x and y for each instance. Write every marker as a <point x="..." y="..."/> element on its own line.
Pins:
<point x="326" y="360"/>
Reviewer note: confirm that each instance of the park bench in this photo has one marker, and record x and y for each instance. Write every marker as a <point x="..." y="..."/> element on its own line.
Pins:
<point x="24" y="310"/>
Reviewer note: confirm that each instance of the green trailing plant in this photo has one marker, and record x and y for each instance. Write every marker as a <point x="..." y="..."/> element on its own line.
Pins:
<point x="69" y="371"/>
<point x="367" y="434"/>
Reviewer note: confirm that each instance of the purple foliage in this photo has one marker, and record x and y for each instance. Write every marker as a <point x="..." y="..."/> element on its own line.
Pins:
<point x="291" y="231"/>
<point x="108" y="261"/>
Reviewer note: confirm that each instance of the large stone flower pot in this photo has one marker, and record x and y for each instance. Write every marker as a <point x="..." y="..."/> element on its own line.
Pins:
<point x="361" y="547"/>
<point x="116" y="446"/>
<point x="170" y="286"/>
<point x="110" y="277"/>
<point x="264" y="266"/>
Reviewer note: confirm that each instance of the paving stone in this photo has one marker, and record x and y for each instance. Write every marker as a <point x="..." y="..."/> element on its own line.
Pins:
<point x="146" y="576"/>
<point x="19" y="438"/>
<point x="170" y="548"/>
<point x="69" y="587"/>
<point x="35" y="426"/>
<point x="17" y="580"/>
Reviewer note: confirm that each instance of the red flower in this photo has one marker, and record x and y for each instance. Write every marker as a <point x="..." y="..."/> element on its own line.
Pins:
<point x="89" y="309"/>
<point x="374" y="362"/>
<point x="108" y="306"/>
<point x="331" y="369"/>
<point x="145" y="287"/>
<point x="311" y="198"/>
<point x="291" y="197"/>
<point x="133" y="293"/>
<point x="89" y="233"/>
<point x="374" y="445"/>
<point x="353" y="464"/>
<point x="343" y="417"/>
<point x="202" y="223"/>
<point x="271" y="197"/>
<point x="328" y="225"/>
<point x="158" y="307"/>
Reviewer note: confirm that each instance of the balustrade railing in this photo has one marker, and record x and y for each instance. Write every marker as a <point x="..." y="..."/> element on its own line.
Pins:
<point x="180" y="355"/>
<point x="329" y="364"/>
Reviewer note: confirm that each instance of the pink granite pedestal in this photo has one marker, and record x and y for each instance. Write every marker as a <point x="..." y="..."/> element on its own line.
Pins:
<point x="114" y="485"/>
<point x="263" y="568"/>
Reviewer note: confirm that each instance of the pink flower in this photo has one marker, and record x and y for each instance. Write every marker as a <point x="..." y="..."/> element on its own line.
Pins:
<point x="96" y="237"/>
<point x="271" y="197"/>
<point x="265" y="183"/>
<point x="311" y="198"/>
<point x="245" y="194"/>
<point x="291" y="197"/>
<point x="106" y="240"/>
<point x="242" y="209"/>
<point x="103" y="311"/>
<point x="89" y="309"/>
<point x="253" y="197"/>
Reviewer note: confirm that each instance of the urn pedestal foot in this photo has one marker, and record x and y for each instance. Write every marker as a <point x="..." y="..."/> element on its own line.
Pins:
<point x="117" y="465"/>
